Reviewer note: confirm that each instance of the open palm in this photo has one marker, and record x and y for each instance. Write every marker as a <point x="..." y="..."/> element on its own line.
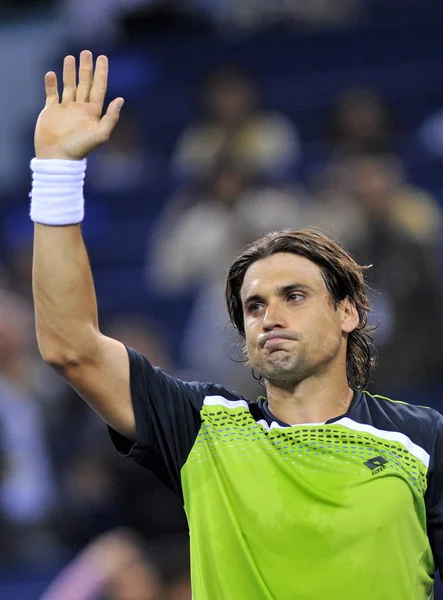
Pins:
<point x="72" y="128"/>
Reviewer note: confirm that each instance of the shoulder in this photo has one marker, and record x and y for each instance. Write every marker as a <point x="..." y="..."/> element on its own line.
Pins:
<point x="277" y="124"/>
<point x="418" y="423"/>
<point x="396" y="406"/>
<point x="217" y="395"/>
<point x="151" y="382"/>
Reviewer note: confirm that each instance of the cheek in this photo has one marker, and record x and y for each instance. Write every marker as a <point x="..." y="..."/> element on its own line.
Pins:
<point x="249" y="345"/>
<point x="332" y="338"/>
<point x="325" y="328"/>
<point x="250" y="340"/>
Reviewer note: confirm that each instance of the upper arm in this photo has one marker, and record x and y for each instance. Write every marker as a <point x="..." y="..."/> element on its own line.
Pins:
<point x="160" y="413"/>
<point x="434" y="498"/>
<point x="103" y="381"/>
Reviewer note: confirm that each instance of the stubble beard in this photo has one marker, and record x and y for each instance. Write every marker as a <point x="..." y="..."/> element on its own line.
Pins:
<point x="289" y="368"/>
<point x="283" y="367"/>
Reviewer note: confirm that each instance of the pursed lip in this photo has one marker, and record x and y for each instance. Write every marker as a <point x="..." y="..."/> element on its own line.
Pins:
<point x="277" y="335"/>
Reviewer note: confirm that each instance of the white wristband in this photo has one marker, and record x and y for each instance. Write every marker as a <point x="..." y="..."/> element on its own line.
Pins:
<point x="57" y="191"/>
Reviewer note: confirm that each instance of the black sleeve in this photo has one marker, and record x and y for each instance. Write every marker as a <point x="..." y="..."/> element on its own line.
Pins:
<point x="434" y="497"/>
<point x="167" y="420"/>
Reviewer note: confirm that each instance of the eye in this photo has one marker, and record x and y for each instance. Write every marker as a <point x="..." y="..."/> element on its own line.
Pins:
<point x="254" y="307"/>
<point x="295" y="297"/>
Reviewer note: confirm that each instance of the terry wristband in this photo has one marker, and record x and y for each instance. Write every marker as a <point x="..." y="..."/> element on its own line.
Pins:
<point x="57" y="191"/>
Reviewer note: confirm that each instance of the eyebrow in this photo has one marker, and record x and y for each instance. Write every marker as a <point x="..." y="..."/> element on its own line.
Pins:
<point x="282" y="291"/>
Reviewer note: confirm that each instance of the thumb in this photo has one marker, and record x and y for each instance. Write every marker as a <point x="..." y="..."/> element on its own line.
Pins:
<point x="109" y="119"/>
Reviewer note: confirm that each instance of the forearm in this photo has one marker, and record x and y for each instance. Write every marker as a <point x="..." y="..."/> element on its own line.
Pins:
<point x="67" y="130"/>
<point x="64" y="295"/>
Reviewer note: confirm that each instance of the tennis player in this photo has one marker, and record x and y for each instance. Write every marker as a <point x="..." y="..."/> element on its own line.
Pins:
<point x="318" y="490"/>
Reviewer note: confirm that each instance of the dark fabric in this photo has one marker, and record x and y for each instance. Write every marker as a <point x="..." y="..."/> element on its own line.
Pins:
<point x="167" y="417"/>
<point x="434" y="497"/>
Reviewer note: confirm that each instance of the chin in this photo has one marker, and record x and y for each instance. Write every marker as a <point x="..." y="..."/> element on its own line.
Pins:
<point x="280" y="370"/>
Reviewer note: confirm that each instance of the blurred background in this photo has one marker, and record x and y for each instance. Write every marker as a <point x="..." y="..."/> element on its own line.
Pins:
<point x="241" y="116"/>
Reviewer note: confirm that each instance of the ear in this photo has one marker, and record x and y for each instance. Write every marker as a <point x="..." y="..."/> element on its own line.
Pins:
<point x="350" y="318"/>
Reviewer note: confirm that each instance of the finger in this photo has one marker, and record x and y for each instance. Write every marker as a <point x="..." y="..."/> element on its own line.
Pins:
<point x="109" y="120"/>
<point x="100" y="83"/>
<point x="51" y="88"/>
<point x="84" y="76"/>
<point x="69" y="79"/>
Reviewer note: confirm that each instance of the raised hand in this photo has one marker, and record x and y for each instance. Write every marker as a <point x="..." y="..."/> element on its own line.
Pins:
<point x="74" y="127"/>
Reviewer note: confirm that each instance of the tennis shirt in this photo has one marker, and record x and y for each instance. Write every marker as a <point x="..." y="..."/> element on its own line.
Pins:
<point x="347" y="509"/>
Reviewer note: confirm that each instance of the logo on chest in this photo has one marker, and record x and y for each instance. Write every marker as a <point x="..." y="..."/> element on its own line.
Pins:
<point x="376" y="464"/>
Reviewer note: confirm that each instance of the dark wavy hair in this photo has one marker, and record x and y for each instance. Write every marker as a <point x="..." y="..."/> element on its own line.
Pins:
<point x="343" y="278"/>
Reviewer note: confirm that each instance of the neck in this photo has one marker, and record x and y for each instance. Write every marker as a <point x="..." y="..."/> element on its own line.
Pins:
<point x="312" y="400"/>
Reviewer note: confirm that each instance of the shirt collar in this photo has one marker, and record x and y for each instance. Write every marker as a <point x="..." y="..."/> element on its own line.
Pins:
<point x="269" y="417"/>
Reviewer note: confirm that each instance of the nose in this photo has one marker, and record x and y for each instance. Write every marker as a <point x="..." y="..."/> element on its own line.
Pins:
<point x="274" y="317"/>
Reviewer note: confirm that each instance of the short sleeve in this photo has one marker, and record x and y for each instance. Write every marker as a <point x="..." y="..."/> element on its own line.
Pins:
<point x="434" y="497"/>
<point x="167" y="420"/>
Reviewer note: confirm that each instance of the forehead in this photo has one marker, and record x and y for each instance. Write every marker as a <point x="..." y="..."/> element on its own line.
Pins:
<point x="279" y="270"/>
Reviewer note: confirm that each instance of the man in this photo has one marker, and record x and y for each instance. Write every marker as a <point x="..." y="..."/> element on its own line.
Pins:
<point x="318" y="491"/>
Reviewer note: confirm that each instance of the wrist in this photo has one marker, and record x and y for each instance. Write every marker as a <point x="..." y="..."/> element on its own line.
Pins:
<point x="48" y="154"/>
<point x="57" y="191"/>
<point x="53" y="152"/>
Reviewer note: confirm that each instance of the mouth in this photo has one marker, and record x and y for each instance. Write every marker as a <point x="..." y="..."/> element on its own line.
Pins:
<point x="276" y="342"/>
<point x="274" y="339"/>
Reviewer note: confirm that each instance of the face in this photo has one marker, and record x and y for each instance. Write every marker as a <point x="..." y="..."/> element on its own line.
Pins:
<point x="292" y="329"/>
<point x="363" y="116"/>
<point x="375" y="183"/>
<point x="230" y="101"/>
<point x="228" y="186"/>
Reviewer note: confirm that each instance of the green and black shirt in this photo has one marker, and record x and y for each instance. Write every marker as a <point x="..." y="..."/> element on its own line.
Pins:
<point x="351" y="508"/>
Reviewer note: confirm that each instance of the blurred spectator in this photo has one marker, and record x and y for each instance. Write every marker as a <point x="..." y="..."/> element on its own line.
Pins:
<point x="355" y="188"/>
<point x="398" y="236"/>
<point x="28" y="495"/>
<point x="114" y="566"/>
<point x="195" y="244"/>
<point x="360" y="121"/>
<point x="235" y="127"/>
<point x="125" y="164"/>
<point x="407" y="304"/>
<point x="379" y="184"/>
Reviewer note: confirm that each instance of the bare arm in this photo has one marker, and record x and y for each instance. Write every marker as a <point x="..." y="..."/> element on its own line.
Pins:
<point x="66" y="310"/>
